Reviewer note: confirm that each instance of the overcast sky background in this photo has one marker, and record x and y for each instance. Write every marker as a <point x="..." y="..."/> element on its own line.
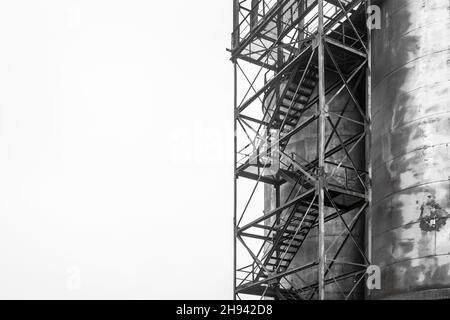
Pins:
<point x="115" y="149"/>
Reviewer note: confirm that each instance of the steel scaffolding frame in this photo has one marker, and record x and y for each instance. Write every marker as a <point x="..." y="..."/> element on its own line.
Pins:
<point x="282" y="52"/>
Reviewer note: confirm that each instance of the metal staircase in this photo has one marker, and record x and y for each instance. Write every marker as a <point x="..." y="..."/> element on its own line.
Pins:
<point x="286" y="235"/>
<point x="293" y="103"/>
<point x="282" y="40"/>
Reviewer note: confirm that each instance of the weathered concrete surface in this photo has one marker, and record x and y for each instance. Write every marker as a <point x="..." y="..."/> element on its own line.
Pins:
<point x="411" y="154"/>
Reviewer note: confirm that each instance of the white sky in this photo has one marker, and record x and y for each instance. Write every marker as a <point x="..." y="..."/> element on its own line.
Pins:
<point x="115" y="149"/>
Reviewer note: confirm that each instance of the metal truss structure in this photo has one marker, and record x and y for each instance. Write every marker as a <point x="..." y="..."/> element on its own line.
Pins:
<point x="292" y="60"/>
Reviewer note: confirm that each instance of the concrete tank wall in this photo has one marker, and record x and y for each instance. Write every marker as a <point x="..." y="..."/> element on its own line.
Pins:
<point x="411" y="154"/>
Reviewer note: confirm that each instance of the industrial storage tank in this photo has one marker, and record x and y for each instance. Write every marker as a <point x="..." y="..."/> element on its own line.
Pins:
<point x="410" y="158"/>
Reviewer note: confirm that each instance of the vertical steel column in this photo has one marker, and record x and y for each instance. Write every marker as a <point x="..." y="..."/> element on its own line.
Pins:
<point x="278" y="217"/>
<point x="235" y="43"/>
<point x="301" y="35"/>
<point x="235" y="35"/>
<point x="254" y="13"/>
<point x="279" y="31"/>
<point x="321" y="152"/>
<point x="369" y="131"/>
<point x="235" y="185"/>
<point x="279" y="59"/>
<point x="278" y="102"/>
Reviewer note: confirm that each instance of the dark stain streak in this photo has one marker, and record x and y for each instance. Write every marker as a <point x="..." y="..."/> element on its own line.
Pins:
<point x="407" y="246"/>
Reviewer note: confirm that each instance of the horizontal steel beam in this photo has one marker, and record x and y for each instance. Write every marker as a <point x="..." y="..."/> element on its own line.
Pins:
<point x="256" y="177"/>
<point x="277" y="210"/>
<point x="276" y="276"/>
<point x="345" y="47"/>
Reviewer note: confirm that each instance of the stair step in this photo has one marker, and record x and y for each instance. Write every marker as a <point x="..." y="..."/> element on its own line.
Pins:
<point x="292" y="113"/>
<point x="291" y="225"/>
<point x="283" y="251"/>
<point x="280" y="259"/>
<point x="296" y="106"/>
<point x="276" y="264"/>
<point x="296" y="225"/>
<point x="284" y="115"/>
<point x="299" y="99"/>
<point x="283" y="246"/>
<point x="301" y="212"/>
<point x="287" y="241"/>
<point x="304" y="228"/>
<point x="289" y="231"/>
<point x="299" y="233"/>
<point x="298" y="238"/>
<point x="300" y="91"/>
<point x="305" y="220"/>
<point x="279" y="122"/>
